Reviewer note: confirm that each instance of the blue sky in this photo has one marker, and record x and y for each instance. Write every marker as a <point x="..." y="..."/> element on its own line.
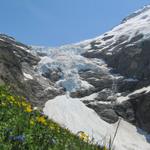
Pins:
<point x="57" y="22"/>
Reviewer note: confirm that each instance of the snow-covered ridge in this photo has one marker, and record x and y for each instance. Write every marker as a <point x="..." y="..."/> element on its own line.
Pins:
<point x="136" y="13"/>
<point x="137" y="24"/>
<point x="4" y="36"/>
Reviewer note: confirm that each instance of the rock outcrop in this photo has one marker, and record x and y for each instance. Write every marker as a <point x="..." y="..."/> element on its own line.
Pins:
<point x="17" y="70"/>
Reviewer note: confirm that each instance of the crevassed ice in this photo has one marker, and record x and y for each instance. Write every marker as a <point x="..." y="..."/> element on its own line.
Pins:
<point x="69" y="61"/>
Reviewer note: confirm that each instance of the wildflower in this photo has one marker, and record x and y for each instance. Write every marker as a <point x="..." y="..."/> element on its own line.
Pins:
<point x="42" y="113"/>
<point x="42" y="120"/>
<point x="11" y="98"/>
<point x="27" y="99"/>
<point x="24" y="104"/>
<point x="28" y="109"/>
<point x="83" y="136"/>
<point x="19" y="138"/>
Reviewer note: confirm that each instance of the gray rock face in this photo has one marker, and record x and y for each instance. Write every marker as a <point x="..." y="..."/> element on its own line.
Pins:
<point x="15" y="60"/>
<point x="10" y="68"/>
<point x="54" y="75"/>
<point x="99" y="79"/>
<point x="134" y="63"/>
<point x="109" y="115"/>
<point x="130" y="61"/>
<point x="82" y="93"/>
<point x="141" y="106"/>
<point x="105" y="111"/>
<point x="103" y="95"/>
<point x="126" y="111"/>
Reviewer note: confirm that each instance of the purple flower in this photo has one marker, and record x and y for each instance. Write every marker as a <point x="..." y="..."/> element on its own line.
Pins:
<point x="19" y="138"/>
<point x="27" y="99"/>
<point x="42" y="113"/>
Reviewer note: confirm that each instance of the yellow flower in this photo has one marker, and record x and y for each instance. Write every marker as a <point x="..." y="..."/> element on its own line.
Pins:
<point x="83" y="136"/>
<point x="28" y="109"/>
<point x="24" y="104"/>
<point x="42" y="120"/>
<point x="104" y="148"/>
<point x="11" y="98"/>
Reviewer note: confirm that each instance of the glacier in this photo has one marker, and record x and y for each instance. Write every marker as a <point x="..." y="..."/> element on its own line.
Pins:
<point x="72" y="113"/>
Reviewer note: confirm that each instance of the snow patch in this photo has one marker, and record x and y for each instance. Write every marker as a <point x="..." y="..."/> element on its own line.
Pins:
<point x="27" y="76"/>
<point x="125" y="98"/>
<point x="2" y="39"/>
<point x="90" y="97"/>
<point x="71" y="113"/>
<point x="23" y="48"/>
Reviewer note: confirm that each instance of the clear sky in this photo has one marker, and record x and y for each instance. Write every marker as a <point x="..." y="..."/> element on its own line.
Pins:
<point x="57" y="22"/>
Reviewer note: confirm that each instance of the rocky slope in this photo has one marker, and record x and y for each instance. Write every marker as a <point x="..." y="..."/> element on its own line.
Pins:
<point x="17" y="69"/>
<point x="107" y="74"/>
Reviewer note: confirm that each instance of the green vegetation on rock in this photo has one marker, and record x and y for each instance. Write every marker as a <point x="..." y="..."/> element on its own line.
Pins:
<point x="24" y="128"/>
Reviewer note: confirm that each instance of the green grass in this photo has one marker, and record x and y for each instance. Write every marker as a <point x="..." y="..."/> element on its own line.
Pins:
<point x="22" y="128"/>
